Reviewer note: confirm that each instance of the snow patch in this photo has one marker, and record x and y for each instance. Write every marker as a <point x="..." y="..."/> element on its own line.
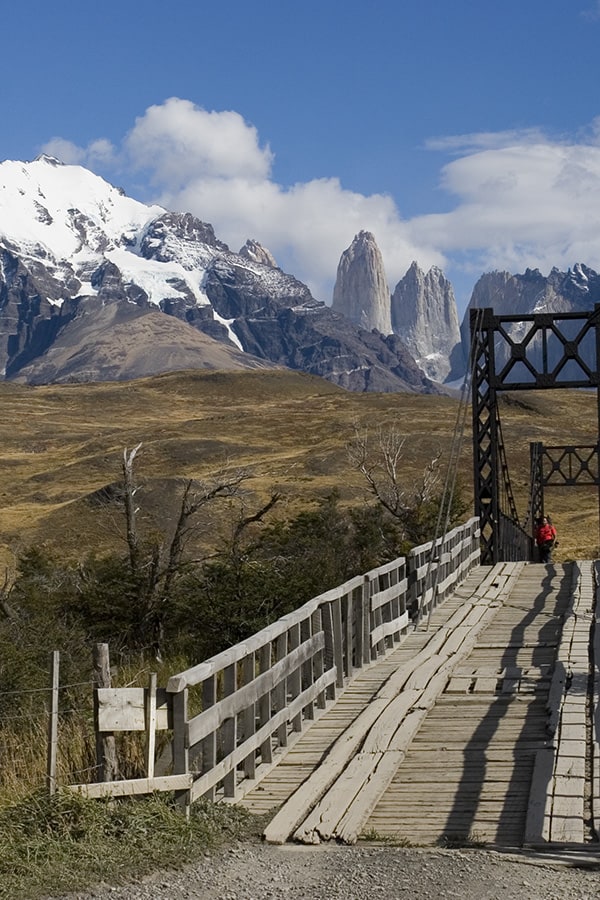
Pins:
<point x="230" y="332"/>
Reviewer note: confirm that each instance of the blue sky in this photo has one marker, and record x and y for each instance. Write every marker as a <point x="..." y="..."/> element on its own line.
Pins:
<point x="462" y="133"/>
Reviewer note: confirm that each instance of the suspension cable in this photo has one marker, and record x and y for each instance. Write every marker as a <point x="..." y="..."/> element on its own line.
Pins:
<point x="447" y="499"/>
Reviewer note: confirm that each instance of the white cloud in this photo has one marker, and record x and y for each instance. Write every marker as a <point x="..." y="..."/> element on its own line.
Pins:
<point x="177" y="141"/>
<point x="66" y="151"/>
<point x="211" y="164"/>
<point x="482" y="140"/>
<point x="98" y="153"/>
<point x="525" y="205"/>
<point x="520" y="199"/>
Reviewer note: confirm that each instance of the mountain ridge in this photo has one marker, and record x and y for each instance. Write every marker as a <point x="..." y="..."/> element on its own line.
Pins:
<point x="82" y="265"/>
<point x="61" y="259"/>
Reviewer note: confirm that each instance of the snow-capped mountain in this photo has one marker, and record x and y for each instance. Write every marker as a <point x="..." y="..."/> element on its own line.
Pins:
<point x="87" y="275"/>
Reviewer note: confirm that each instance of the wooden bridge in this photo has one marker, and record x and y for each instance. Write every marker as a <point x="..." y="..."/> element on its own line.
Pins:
<point x="476" y="729"/>
<point x="471" y="714"/>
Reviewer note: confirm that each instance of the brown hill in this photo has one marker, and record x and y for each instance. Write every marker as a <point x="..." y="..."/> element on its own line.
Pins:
<point x="63" y="444"/>
<point x="121" y="341"/>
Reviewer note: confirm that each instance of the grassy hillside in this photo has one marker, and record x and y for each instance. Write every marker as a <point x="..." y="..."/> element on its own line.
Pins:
<point x="60" y="445"/>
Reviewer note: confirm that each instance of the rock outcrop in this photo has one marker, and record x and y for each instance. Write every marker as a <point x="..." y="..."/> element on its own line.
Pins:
<point x="361" y="292"/>
<point x="425" y="316"/>
<point x="255" y="252"/>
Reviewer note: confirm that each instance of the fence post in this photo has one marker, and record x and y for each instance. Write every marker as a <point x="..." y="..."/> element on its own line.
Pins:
<point x="151" y="725"/>
<point x="53" y="725"/>
<point x="106" y="753"/>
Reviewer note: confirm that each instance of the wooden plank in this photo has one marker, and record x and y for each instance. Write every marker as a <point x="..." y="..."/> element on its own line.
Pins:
<point x="388" y="628"/>
<point x="566" y="824"/>
<point x="540" y="799"/>
<point x="124" y="709"/>
<point x="209" y="720"/>
<point x="227" y="766"/>
<point x="133" y="786"/>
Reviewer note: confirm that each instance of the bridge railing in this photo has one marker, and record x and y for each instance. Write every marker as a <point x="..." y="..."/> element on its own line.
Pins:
<point x="236" y="713"/>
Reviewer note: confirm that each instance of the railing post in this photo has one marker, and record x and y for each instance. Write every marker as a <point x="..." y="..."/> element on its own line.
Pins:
<point x="318" y="660"/>
<point x="348" y="620"/>
<point x="209" y="744"/>
<point x="181" y="764"/>
<point x="295" y="678"/>
<point x="412" y="591"/>
<point x="229" y="729"/>
<point x="249" y="715"/>
<point x="307" y="669"/>
<point x="280" y="695"/>
<point x="366" y="620"/>
<point x="329" y="654"/>
<point x="265" y="660"/>
<point x="338" y="641"/>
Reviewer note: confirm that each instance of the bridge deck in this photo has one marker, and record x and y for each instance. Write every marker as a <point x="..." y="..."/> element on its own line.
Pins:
<point x="464" y="772"/>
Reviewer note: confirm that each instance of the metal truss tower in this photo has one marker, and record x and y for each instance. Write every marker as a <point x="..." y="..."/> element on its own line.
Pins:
<point x="524" y="353"/>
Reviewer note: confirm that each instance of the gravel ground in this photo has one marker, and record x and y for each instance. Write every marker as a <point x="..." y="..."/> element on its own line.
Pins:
<point x="261" y="872"/>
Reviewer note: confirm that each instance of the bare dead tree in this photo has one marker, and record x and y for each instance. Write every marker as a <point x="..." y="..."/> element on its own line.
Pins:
<point x="131" y="510"/>
<point x="380" y="459"/>
<point x="156" y="565"/>
<point x="245" y="521"/>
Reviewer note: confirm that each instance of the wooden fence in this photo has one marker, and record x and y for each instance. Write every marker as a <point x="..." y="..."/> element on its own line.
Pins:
<point x="234" y="715"/>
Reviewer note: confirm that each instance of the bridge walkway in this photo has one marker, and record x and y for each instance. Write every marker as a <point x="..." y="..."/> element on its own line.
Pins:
<point x="464" y="760"/>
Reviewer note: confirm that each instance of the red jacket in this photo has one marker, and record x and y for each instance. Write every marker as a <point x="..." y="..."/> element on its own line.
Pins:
<point x="545" y="533"/>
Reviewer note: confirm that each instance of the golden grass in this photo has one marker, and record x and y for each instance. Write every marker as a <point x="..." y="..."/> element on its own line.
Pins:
<point x="60" y="444"/>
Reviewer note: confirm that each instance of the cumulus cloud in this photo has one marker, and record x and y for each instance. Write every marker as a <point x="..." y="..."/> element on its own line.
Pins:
<point x="519" y="198"/>
<point x="521" y="205"/>
<point x="177" y="142"/>
<point x="212" y="164"/>
<point x="98" y="153"/>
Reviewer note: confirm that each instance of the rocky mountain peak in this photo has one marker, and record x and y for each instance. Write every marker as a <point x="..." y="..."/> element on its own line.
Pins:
<point x="424" y="314"/>
<point x="255" y="252"/>
<point x="97" y="286"/>
<point x="180" y="236"/>
<point x="361" y="292"/>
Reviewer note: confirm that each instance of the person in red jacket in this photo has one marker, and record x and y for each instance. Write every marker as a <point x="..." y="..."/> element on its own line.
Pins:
<point x="545" y="538"/>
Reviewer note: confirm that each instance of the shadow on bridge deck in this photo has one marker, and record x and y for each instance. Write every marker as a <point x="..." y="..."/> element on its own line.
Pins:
<point x="491" y="796"/>
<point x="465" y="776"/>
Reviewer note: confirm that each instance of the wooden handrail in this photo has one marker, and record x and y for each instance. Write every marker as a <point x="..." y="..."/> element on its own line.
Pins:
<point x="258" y="695"/>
